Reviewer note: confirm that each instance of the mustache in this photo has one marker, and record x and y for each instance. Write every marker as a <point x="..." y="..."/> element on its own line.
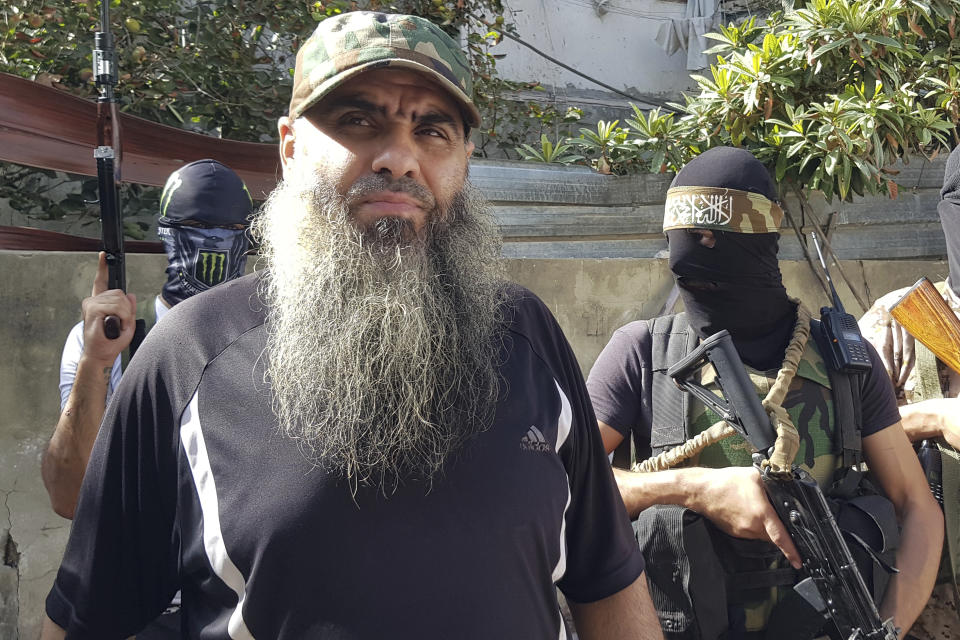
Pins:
<point x="378" y="182"/>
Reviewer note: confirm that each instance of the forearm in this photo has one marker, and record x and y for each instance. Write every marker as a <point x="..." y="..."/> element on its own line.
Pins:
<point x="926" y="419"/>
<point x="626" y="614"/>
<point x="65" y="460"/>
<point x="918" y="558"/>
<point x="675" y="486"/>
<point x="51" y="631"/>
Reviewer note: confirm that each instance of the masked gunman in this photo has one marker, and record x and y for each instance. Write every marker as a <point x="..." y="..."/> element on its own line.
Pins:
<point x="929" y="394"/>
<point x="374" y="437"/>
<point x="713" y="570"/>
<point x="204" y="213"/>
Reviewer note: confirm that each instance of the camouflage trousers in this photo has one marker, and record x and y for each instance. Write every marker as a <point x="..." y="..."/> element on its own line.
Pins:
<point x="940" y="620"/>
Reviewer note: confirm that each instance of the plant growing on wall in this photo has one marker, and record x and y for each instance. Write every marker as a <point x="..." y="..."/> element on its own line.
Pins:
<point x="549" y="152"/>
<point x="833" y="93"/>
<point x="829" y="96"/>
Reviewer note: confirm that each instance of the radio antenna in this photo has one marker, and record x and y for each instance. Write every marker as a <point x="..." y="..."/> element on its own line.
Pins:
<point x="823" y="263"/>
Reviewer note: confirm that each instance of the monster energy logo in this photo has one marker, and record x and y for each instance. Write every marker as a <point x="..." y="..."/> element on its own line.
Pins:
<point x="211" y="267"/>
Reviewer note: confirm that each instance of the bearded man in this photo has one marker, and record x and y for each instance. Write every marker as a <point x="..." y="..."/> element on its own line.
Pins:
<point x="376" y="436"/>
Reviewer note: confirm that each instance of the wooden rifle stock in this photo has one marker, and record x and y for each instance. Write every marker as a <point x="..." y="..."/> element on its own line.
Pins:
<point x="926" y="316"/>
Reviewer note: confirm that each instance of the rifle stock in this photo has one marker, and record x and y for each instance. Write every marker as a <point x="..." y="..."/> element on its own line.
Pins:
<point x="926" y="316"/>
<point x="738" y="404"/>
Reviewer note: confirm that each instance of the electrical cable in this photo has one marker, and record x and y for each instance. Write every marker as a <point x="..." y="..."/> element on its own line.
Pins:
<point x="649" y="101"/>
<point x="610" y="8"/>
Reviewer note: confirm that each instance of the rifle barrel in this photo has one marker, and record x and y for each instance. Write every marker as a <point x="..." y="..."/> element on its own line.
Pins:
<point x="107" y="155"/>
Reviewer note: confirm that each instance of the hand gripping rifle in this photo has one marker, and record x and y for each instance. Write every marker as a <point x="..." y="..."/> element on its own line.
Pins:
<point x="832" y="583"/>
<point x="108" y="155"/>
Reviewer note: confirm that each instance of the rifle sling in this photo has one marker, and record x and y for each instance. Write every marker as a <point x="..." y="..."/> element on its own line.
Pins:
<point x="928" y="373"/>
<point x="950" y="465"/>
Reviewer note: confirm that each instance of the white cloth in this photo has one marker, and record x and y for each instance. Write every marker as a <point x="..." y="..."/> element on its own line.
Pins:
<point x="688" y="33"/>
<point x="73" y="348"/>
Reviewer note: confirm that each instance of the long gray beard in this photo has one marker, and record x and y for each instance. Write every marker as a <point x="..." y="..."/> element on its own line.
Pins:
<point x="383" y="346"/>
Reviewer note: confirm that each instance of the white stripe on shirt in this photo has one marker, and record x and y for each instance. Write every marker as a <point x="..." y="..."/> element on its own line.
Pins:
<point x="564" y="423"/>
<point x="191" y="436"/>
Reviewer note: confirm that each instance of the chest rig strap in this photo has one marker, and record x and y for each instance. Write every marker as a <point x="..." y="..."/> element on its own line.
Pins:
<point x="672" y="338"/>
<point x="848" y="418"/>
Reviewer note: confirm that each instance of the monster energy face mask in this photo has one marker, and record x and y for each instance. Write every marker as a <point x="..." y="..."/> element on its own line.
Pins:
<point x="200" y="257"/>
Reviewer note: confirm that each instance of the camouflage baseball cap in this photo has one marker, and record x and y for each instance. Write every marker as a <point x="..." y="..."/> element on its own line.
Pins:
<point x="351" y="43"/>
<point x="721" y="209"/>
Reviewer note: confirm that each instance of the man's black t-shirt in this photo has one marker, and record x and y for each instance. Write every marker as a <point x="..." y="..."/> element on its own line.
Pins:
<point x="192" y="485"/>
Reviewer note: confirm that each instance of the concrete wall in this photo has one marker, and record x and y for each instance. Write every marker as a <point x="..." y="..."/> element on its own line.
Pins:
<point x="615" y="45"/>
<point x="40" y="299"/>
<point x="551" y="211"/>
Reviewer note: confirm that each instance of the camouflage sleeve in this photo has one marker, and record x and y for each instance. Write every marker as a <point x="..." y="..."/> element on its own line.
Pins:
<point x="892" y="342"/>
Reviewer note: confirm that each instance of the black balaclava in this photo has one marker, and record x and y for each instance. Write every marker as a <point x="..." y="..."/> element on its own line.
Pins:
<point x="204" y="213"/>
<point x="736" y="284"/>
<point x="949" y="210"/>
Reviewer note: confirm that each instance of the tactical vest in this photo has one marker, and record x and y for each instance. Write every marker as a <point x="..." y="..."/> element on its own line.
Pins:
<point x="825" y="406"/>
<point x="818" y="399"/>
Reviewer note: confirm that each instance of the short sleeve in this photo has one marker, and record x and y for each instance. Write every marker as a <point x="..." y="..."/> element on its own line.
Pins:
<point x="877" y="397"/>
<point x="120" y="568"/>
<point x="72" y="349"/>
<point x="617" y="380"/>
<point x="602" y="557"/>
<point x="599" y="555"/>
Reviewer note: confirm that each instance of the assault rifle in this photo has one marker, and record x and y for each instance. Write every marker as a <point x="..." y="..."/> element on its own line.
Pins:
<point x="832" y="584"/>
<point x="106" y="153"/>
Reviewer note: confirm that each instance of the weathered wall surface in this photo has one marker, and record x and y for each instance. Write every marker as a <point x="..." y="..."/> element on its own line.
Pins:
<point x="550" y="211"/>
<point x="40" y="301"/>
<point x="616" y="46"/>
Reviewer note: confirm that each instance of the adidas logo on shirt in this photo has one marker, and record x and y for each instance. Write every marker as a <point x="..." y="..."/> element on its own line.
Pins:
<point x="534" y="441"/>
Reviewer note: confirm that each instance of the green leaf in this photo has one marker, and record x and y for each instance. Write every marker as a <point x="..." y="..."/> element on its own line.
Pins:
<point x="884" y="40"/>
<point x="781" y="166"/>
<point x="831" y="46"/>
<point x="830" y="162"/>
<point x="176" y="114"/>
<point x="795" y="148"/>
<point x="845" y="172"/>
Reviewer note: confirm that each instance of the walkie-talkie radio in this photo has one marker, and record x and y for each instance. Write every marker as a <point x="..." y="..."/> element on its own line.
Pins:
<point x="841" y="339"/>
